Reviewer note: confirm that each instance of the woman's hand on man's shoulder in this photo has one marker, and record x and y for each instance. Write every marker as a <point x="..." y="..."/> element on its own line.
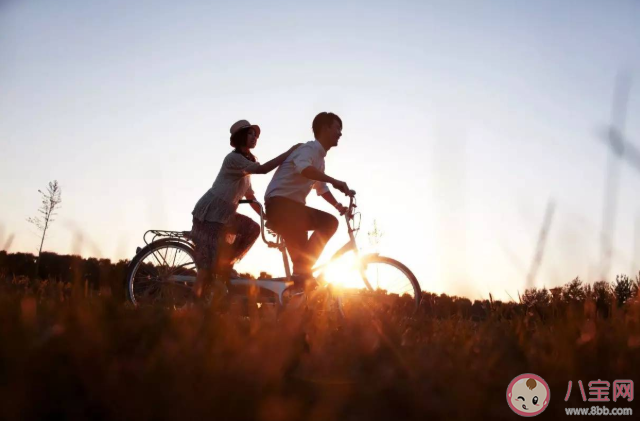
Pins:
<point x="294" y="147"/>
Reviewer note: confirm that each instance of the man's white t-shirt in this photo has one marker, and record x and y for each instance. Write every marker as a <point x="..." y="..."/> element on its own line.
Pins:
<point x="288" y="180"/>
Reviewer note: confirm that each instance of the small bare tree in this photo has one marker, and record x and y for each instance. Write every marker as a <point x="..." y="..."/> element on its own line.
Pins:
<point x="51" y="200"/>
<point x="375" y="236"/>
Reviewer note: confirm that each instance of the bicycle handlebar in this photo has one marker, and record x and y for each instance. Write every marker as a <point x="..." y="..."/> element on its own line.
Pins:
<point x="348" y="214"/>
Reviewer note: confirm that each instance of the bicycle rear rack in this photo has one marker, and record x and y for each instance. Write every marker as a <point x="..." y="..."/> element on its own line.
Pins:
<point x="185" y="236"/>
<point x="155" y="234"/>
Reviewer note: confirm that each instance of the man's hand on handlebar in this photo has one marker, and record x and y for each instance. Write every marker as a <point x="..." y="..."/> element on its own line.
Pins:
<point x="341" y="186"/>
<point x="341" y="208"/>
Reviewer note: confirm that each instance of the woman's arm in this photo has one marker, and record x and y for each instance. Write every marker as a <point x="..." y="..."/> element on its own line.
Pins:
<point x="269" y="166"/>
<point x="255" y="206"/>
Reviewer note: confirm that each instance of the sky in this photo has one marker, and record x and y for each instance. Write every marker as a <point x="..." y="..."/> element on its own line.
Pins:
<point x="462" y="122"/>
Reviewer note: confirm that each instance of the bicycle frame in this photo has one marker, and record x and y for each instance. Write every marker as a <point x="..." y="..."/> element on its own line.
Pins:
<point x="276" y="286"/>
<point x="349" y="246"/>
<point x="278" y="244"/>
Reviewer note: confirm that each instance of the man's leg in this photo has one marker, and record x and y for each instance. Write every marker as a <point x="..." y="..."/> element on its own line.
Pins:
<point x="289" y="220"/>
<point x="324" y="225"/>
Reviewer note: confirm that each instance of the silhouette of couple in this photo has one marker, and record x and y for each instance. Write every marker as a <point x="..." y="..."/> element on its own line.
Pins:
<point x="300" y="169"/>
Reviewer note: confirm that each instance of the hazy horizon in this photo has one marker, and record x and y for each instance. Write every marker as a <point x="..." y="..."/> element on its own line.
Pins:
<point x="461" y="124"/>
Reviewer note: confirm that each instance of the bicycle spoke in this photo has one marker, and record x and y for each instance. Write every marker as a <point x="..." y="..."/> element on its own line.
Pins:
<point x="165" y="275"/>
<point x="175" y="254"/>
<point x="392" y="288"/>
<point x="177" y="268"/>
<point x="157" y="260"/>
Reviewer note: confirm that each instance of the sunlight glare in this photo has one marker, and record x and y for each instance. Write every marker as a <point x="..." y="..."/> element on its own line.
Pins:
<point x="344" y="273"/>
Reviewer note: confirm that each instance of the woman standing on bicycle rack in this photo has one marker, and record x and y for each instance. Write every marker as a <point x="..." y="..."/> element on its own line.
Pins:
<point x="215" y="216"/>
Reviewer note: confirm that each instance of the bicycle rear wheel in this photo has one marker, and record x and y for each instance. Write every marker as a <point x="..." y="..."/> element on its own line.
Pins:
<point x="162" y="273"/>
<point x="389" y="288"/>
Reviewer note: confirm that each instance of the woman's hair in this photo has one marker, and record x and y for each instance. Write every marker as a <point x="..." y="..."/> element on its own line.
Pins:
<point x="239" y="140"/>
<point x="322" y="120"/>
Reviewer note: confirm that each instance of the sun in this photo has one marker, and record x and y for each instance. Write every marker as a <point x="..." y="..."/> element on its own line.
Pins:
<point x="344" y="273"/>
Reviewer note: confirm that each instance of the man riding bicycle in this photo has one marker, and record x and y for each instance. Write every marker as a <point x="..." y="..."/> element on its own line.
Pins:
<point x="285" y="199"/>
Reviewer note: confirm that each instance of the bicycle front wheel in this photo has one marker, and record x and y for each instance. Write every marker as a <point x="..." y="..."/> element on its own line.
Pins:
<point x="162" y="273"/>
<point x="388" y="287"/>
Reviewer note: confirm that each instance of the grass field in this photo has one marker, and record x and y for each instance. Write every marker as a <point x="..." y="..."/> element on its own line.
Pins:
<point x="68" y="352"/>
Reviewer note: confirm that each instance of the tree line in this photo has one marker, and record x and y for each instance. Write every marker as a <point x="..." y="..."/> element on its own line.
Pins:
<point x="603" y="297"/>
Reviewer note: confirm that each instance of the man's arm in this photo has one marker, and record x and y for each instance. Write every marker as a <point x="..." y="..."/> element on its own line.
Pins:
<point x="313" y="173"/>
<point x="333" y="202"/>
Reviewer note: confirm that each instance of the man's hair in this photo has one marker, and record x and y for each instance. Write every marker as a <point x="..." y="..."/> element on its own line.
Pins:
<point x="324" y="119"/>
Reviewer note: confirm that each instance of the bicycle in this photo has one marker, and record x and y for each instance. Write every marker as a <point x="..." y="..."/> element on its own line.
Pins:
<point x="164" y="271"/>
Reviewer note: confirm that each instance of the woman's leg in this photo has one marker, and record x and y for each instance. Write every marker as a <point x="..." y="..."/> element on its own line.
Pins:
<point x="240" y="233"/>
<point x="247" y="232"/>
<point x="205" y="237"/>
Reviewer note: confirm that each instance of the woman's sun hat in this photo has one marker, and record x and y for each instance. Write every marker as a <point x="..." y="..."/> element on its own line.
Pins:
<point x="243" y="124"/>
